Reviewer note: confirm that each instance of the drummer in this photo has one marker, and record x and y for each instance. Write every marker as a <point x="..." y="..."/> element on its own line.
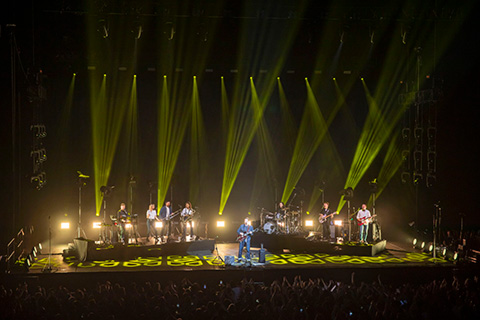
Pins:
<point x="281" y="214"/>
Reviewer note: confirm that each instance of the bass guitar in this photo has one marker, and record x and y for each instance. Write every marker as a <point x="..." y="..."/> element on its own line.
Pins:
<point x="324" y="218"/>
<point x="365" y="220"/>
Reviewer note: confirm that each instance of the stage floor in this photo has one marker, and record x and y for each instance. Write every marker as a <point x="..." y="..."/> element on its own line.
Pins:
<point x="394" y="256"/>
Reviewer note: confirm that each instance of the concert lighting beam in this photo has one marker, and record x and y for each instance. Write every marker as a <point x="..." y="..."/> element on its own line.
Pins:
<point x="107" y="110"/>
<point x="239" y="139"/>
<point x="198" y="144"/>
<point x="378" y="126"/>
<point x="288" y="123"/>
<point x="132" y="128"/>
<point x="172" y="126"/>
<point x="312" y="130"/>
<point x="267" y="48"/>
<point x="384" y="111"/>
<point x="391" y="163"/>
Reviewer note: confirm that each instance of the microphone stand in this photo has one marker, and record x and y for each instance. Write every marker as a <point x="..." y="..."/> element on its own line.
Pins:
<point x="217" y="254"/>
<point x="48" y="266"/>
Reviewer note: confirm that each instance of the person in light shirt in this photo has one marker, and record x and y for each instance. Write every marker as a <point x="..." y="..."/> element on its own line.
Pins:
<point x="151" y="219"/>
<point x="165" y="213"/>
<point x="187" y="215"/>
<point x="363" y="217"/>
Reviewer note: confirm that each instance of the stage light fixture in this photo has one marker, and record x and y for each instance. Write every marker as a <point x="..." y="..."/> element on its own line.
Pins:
<point x="414" y="242"/>
<point x="128" y="226"/>
<point x="137" y="30"/>
<point x="169" y="30"/>
<point x="334" y="79"/>
<point x="102" y="28"/>
<point x="220" y="213"/>
<point x="96" y="225"/>
<point x="220" y="224"/>
<point x="40" y="247"/>
<point x="159" y="224"/>
<point x="429" y="247"/>
<point x="65" y="225"/>
<point x="338" y="223"/>
<point x="451" y="255"/>
<point x="308" y="223"/>
<point x="422" y="245"/>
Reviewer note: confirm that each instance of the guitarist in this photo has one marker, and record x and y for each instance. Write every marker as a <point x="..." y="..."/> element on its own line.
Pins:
<point x="363" y="218"/>
<point x="328" y="226"/>
<point x="244" y="230"/>
<point x="187" y="214"/>
<point x="165" y="213"/>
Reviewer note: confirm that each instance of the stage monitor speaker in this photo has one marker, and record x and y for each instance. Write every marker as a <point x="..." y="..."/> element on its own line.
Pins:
<point x="229" y="260"/>
<point x="83" y="248"/>
<point x="261" y="256"/>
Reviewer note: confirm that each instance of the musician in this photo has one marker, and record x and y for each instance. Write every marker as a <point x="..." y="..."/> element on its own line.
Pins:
<point x="165" y="214"/>
<point x="187" y="214"/>
<point x="244" y="229"/>
<point x="122" y="217"/>
<point x="363" y="216"/>
<point x="281" y="215"/>
<point x="151" y="219"/>
<point x="328" y="226"/>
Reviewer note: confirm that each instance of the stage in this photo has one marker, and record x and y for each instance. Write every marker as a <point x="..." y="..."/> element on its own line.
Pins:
<point x="396" y="263"/>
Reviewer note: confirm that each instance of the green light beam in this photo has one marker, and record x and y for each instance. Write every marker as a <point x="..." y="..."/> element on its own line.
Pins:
<point x="313" y="129"/>
<point x="171" y="131"/>
<point x="239" y="140"/>
<point x="198" y="145"/>
<point x="391" y="163"/>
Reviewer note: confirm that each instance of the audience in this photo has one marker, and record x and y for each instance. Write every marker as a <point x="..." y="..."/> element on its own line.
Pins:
<point x="312" y="299"/>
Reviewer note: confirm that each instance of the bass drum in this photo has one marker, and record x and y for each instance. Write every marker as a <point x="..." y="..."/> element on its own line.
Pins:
<point x="269" y="228"/>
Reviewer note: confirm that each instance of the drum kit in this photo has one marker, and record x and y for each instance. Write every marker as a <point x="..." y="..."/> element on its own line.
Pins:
<point x="286" y="222"/>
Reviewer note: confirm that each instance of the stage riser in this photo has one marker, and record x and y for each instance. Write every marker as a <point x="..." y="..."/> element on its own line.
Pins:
<point x="120" y="252"/>
<point x="275" y="243"/>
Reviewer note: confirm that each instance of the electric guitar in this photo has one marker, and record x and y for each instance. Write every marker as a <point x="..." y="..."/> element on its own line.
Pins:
<point x="324" y="218"/>
<point x="243" y="236"/>
<point x="365" y="220"/>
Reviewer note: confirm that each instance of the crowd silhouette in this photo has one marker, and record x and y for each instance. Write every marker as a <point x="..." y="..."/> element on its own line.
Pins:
<point x="298" y="299"/>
